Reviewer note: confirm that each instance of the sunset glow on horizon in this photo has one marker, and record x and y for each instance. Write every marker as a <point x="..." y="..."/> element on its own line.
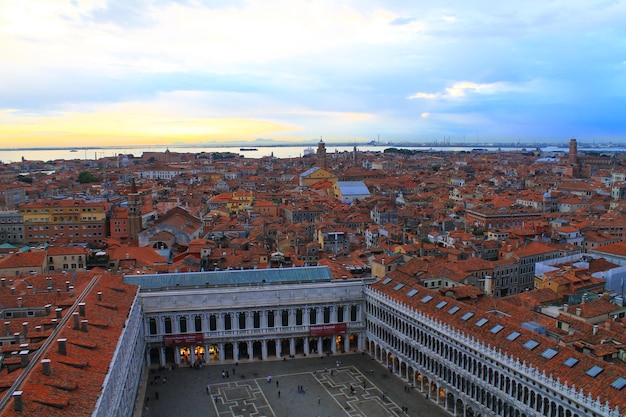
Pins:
<point x="160" y="72"/>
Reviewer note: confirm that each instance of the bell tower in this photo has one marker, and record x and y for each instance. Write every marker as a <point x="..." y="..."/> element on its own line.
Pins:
<point x="134" y="211"/>
<point x="321" y="155"/>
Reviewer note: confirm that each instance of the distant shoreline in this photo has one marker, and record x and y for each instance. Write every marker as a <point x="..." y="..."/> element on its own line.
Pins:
<point x="328" y="144"/>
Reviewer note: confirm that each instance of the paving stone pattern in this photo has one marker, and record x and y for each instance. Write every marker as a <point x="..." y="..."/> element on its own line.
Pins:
<point x="305" y="387"/>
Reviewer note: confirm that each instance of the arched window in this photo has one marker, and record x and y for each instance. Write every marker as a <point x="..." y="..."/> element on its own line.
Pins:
<point x="168" y="325"/>
<point x="183" y="324"/>
<point x="197" y="323"/>
<point x="153" y="326"/>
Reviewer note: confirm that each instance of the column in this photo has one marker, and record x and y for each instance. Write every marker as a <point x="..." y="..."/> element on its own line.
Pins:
<point x="320" y="346"/>
<point x="250" y="350"/>
<point x="236" y="351"/>
<point x="207" y="354"/>
<point x="319" y="311"/>
<point x="264" y="319"/>
<point x="306" y="318"/>
<point x="292" y="317"/>
<point x="205" y="323"/>
<point x="333" y="314"/>
<point x="333" y="344"/>
<point x="346" y="342"/>
<point x="292" y="346"/>
<point x="249" y="319"/>
<point x="221" y="353"/>
<point x="162" y="356"/>
<point x="264" y="349"/>
<point x="306" y="345"/>
<point x="220" y="321"/>
<point x="148" y="362"/>
<point x="192" y="355"/>
<point x="279" y="348"/>
<point x="176" y="355"/>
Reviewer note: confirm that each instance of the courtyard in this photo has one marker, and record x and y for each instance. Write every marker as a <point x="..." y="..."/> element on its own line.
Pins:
<point x="351" y="385"/>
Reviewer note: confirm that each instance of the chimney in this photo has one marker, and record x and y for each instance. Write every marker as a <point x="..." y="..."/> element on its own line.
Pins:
<point x="55" y="322"/>
<point x="25" y="329"/>
<point x="17" y="401"/>
<point x="45" y="367"/>
<point x="83" y="325"/>
<point x="49" y="283"/>
<point x="81" y="309"/>
<point x="48" y="307"/>
<point x="3" y="281"/>
<point x="71" y="290"/>
<point x="578" y="311"/>
<point x="17" y="337"/>
<point x="37" y="329"/>
<point x="99" y="295"/>
<point x="23" y="358"/>
<point x="62" y="346"/>
<point x="76" y="320"/>
<point x="67" y="285"/>
<point x="7" y="328"/>
<point x="58" y="310"/>
<point x="565" y="307"/>
<point x="19" y="302"/>
<point x="12" y="290"/>
<point x="595" y="329"/>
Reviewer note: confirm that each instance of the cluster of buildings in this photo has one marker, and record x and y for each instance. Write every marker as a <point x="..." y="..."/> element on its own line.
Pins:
<point x="492" y="282"/>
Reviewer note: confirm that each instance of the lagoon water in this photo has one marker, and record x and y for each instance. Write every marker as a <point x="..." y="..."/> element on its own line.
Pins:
<point x="92" y="153"/>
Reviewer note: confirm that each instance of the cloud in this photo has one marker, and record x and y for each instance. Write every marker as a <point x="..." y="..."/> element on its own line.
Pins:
<point x="463" y="88"/>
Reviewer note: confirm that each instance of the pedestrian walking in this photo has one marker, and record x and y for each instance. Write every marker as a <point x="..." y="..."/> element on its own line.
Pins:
<point x="156" y="395"/>
<point x="279" y="394"/>
<point x="276" y="383"/>
<point x="319" y="400"/>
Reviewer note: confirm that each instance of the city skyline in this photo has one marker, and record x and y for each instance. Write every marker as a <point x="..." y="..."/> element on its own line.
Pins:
<point x="159" y="72"/>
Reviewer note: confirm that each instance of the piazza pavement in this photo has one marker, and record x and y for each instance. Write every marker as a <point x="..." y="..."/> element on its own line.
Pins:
<point x="351" y="385"/>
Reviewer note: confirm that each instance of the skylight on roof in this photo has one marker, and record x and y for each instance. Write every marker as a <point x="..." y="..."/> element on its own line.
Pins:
<point x="398" y="286"/>
<point x="570" y="362"/>
<point x="531" y="344"/>
<point x="481" y="322"/>
<point x="454" y="309"/>
<point x="513" y="335"/>
<point x="467" y="316"/>
<point x="427" y="298"/>
<point x="441" y="304"/>
<point x="594" y="371"/>
<point x="495" y="329"/>
<point x="619" y="383"/>
<point x="549" y="353"/>
<point x="386" y="281"/>
<point x="412" y="292"/>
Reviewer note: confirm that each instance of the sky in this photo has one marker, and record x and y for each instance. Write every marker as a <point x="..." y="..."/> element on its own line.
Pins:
<point x="139" y="72"/>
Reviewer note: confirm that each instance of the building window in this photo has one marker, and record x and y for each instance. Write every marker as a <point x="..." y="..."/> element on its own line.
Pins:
<point x="299" y="315"/>
<point x="312" y="316"/>
<point x="153" y="326"/>
<point x="212" y="322"/>
<point x="242" y="320"/>
<point x="326" y="314"/>
<point x="270" y="318"/>
<point x="285" y="318"/>
<point x="353" y="315"/>
<point x="197" y="324"/>
<point x="228" y="322"/>
<point x="168" y="325"/>
<point x="256" y="320"/>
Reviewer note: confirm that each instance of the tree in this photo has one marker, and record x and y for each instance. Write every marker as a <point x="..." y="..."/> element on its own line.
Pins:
<point x="24" y="178"/>
<point x="85" y="177"/>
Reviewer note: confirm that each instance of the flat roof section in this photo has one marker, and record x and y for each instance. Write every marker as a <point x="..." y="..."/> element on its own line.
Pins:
<point x="230" y="278"/>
